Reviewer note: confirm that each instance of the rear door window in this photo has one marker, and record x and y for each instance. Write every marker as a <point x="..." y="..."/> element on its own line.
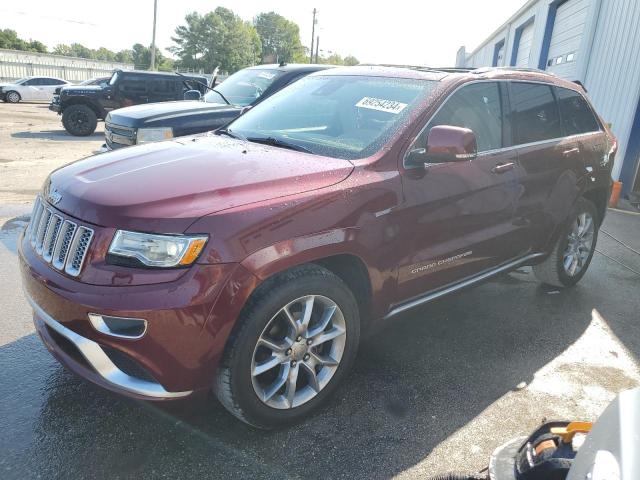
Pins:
<point x="477" y="107"/>
<point x="133" y="85"/>
<point x="577" y="116"/>
<point x="535" y="116"/>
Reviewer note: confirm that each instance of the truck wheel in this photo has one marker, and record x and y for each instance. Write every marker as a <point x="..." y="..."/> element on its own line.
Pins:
<point x="79" y="120"/>
<point x="13" y="97"/>
<point x="294" y="342"/>
<point x="573" y="251"/>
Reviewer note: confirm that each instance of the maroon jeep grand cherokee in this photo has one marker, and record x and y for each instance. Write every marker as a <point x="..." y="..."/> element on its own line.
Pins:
<point x="249" y="261"/>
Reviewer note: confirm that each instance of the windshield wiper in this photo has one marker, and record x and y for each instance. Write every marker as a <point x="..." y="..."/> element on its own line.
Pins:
<point x="276" y="142"/>
<point x="221" y="95"/>
<point x="229" y="133"/>
<point x="204" y="85"/>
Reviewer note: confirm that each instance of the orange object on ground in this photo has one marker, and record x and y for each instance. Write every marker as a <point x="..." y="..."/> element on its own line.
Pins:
<point x="567" y="433"/>
<point x="615" y="194"/>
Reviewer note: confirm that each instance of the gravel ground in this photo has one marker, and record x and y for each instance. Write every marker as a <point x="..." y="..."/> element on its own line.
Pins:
<point x="33" y="142"/>
<point x="436" y="390"/>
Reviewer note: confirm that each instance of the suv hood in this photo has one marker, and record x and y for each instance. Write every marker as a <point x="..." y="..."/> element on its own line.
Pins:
<point x="164" y="187"/>
<point x="158" y="114"/>
<point x="81" y="89"/>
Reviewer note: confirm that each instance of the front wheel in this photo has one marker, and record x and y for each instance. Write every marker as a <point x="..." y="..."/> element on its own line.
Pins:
<point x="574" y="249"/>
<point x="295" y="341"/>
<point x="79" y="120"/>
<point x="13" y="97"/>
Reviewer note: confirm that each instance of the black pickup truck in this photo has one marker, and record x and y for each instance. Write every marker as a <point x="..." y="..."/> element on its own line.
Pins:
<point x="161" y="121"/>
<point x="81" y="106"/>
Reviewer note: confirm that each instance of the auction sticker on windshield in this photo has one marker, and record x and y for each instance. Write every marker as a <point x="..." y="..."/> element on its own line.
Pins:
<point x="389" y="106"/>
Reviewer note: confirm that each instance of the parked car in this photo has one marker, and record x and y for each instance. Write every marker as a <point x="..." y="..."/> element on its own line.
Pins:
<point x="250" y="260"/>
<point x="82" y="106"/>
<point x="160" y="121"/>
<point x="31" y="89"/>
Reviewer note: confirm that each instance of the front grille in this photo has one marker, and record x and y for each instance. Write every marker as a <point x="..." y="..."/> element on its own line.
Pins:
<point x="58" y="240"/>
<point x="117" y="135"/>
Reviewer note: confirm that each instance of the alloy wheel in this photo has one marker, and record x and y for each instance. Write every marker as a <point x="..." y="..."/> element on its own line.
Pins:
<point x="13" y="97"/>
<point x="298" y="352"/>
<point x="80" y="121"/>
<point x="579" y="244"/>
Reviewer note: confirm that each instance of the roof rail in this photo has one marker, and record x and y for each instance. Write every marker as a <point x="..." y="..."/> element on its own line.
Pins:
<point x="514" y="69"/>
<point x="422" y="68"/>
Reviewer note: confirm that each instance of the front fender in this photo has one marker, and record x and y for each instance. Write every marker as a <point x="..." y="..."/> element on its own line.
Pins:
<point x="296" y="251"/>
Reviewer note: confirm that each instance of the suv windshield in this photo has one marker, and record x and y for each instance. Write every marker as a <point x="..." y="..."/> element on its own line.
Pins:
<point x="345" y="117"/>
<point x="243" y="87"/>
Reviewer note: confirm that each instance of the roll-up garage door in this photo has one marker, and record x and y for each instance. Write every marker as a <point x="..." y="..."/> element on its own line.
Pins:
<point x="568" y="29"/>
<point x="524" y="46"/>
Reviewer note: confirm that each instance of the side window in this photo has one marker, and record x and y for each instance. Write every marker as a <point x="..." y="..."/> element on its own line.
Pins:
<point x="477" y="107"/>
<point x="576" y="115"/>
<point x="133" y="86"/>
<point x="34" y="82"/>
<point x="535" y="113"/>
<point x="163" y="86"/>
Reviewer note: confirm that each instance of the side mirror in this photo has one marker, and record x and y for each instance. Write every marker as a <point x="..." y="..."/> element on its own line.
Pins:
<point x="192" y="95"/>
<point x="447" y="143"/>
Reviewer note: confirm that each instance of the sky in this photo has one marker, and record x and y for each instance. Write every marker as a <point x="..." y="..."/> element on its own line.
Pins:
<point x="400" y="32"/>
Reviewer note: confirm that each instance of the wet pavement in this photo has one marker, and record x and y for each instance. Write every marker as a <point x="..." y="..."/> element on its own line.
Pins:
<point x="436" y="390"/>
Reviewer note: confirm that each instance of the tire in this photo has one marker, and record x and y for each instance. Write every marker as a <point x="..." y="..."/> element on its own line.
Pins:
<point x="12" y="96"/>
<point x="264" y="400"/>
<point x="554" y="270"/>
<point x="79" y="120"/>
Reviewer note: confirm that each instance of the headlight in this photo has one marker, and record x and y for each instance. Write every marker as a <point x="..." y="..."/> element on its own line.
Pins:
<point x="157" y="250"/>
<point x="154" y="134"/>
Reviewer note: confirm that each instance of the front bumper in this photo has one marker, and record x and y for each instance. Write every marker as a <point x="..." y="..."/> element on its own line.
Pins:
<point x="54" y="107"/>
<point x="188" y="322"/>
<point x="95" y="365"/>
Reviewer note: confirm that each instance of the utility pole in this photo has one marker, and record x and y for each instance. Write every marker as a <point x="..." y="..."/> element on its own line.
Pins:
<point x="317" y="47"/>
<point x="153" y="39"/>
<point x="313" y="35"/>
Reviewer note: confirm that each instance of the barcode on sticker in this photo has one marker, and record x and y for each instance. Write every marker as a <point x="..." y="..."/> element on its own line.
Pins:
<point x="389" y="106"/>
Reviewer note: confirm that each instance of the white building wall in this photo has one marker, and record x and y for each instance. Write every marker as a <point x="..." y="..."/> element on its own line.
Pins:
<point x="613" y="69"/>
<point x="607" y="63"/>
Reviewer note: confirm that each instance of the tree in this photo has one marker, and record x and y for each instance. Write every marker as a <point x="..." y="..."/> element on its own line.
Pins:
<point x="74" y="50"/>
<point x="9" y="39"/>
<point x="216" y="39"/>
<point x="124" y="56"/>
<point x="350" y="60"/>
<point x="280" y="38"/>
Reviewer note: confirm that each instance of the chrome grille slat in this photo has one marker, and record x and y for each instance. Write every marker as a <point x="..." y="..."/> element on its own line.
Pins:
<point x="61" y="249"/>
<point x="59" y="241"/>
<point x="78" y="250"/>
<point x="35" y="221"/>
<point x="51" y="237"/>
<point x="42" y="229"/>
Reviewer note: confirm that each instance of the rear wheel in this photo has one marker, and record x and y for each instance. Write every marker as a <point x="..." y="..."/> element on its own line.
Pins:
<point x="295" y="341"/>
<point x="79" y="120"/>
<point x="13" y="97"/>
<point x="574" y="249"/>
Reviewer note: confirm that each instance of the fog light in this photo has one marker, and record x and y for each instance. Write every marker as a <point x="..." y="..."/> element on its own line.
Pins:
<point x="132" y="328"/>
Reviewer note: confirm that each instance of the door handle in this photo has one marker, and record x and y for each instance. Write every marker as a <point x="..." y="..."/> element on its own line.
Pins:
<point x="503" y="167"/>
<point x="571" y="151"/>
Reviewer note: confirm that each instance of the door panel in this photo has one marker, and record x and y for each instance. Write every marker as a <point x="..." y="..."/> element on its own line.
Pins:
<point x="549" y="175"/>
<point x="457" y="221"/>
<point x="551" y="164"/>
<point x="457" y="218"/>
